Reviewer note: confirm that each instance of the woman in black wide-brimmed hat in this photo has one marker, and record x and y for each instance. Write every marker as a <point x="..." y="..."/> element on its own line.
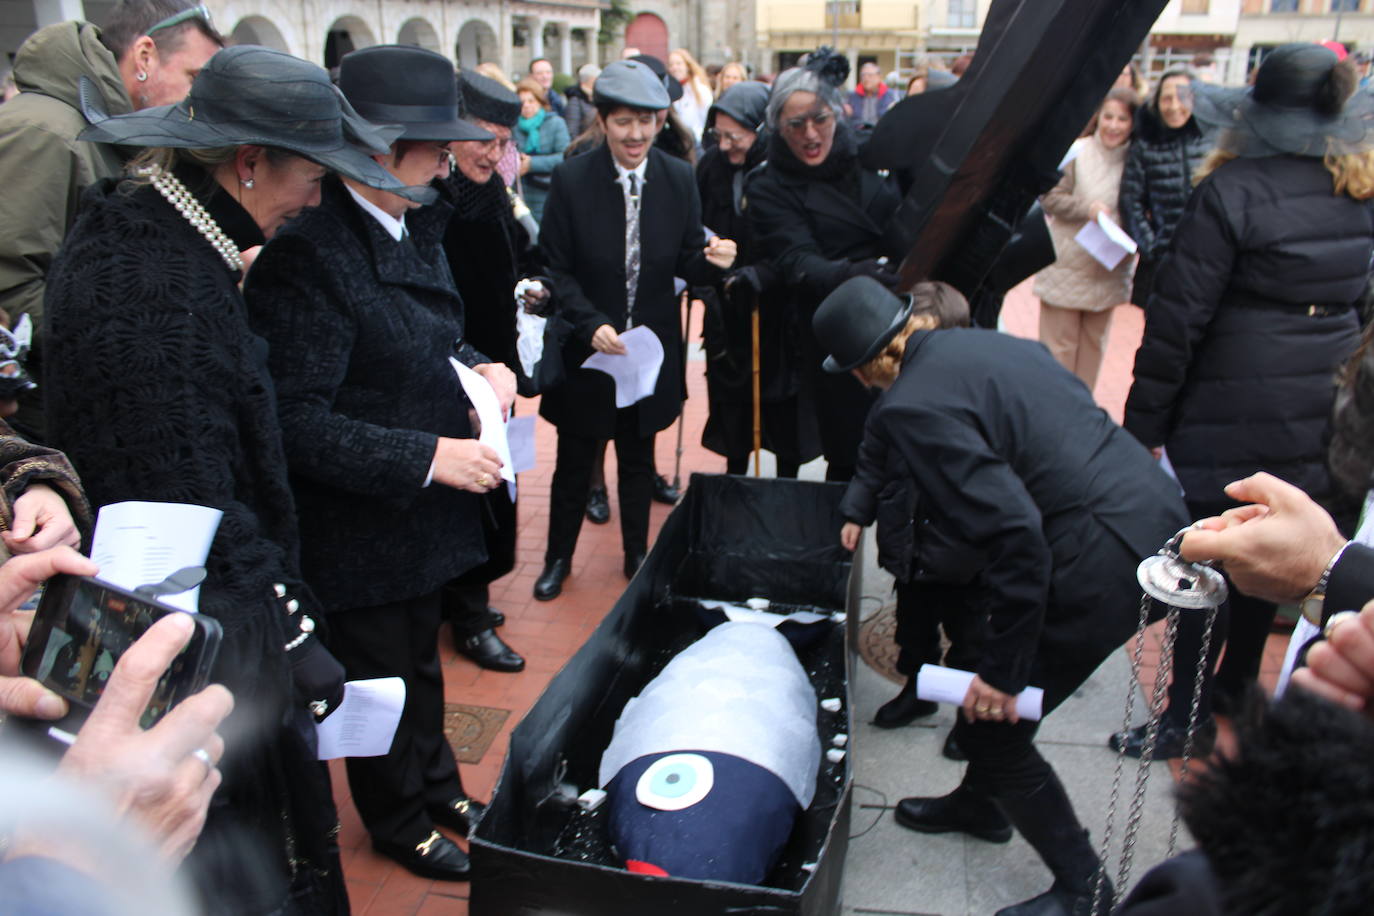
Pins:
<point x="1253" y="311"/>
<point x="158" y="390"/>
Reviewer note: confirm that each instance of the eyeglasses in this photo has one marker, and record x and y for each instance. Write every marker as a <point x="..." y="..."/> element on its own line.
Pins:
<point x="818" y="119"/>
<point x="201" y="12"/>
<point x="725" y="136"/>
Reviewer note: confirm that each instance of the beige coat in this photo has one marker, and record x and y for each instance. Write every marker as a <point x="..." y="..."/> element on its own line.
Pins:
<point x="1076" y="280"/>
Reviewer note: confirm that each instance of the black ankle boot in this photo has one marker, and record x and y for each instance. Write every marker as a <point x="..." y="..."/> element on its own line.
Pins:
<point x="904" y="708"/>
<point x="1046" y="819"/>
<point x="961" y="811"/>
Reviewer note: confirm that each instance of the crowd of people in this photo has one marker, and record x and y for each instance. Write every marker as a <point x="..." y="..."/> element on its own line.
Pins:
<point x="271" y="291"/>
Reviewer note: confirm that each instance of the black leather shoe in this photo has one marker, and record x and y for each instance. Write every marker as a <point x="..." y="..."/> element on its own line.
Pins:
<point x="1170" y="743"/>
<point x="904" y="708"/>
<point x="632" y="563"/>
<point x="489" y="651"/>
<point x="461" y="814"/>
<point x="952" y="750"/>
<point x="664" y="492"/>
<point x="1058" y="901"/>
<point x="435" y="857"/>
<point x="550" y="582"/>
<point x="598" y="506"/>
<point x="960" y="811"/>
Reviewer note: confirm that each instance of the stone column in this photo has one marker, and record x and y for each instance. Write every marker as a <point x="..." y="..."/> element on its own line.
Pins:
<point x="536" y="27"/>
<point x="565" y="58"/>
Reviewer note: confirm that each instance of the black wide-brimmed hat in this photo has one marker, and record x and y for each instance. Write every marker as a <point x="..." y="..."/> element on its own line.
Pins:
<point x="409" y="86"/>
<point x="857" y="320"/>
<point x="485" y="99"/>
<point x="632" y="83"/>
<point x="252" y="96"/>
<point x="1301" y="104"/>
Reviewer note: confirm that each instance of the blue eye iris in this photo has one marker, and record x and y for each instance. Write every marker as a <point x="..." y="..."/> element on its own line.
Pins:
<point x="675" y="782"/>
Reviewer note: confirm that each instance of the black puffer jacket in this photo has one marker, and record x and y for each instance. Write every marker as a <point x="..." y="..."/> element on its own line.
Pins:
<point x="1158" y="179"/>
<point x="1234" y="374"/>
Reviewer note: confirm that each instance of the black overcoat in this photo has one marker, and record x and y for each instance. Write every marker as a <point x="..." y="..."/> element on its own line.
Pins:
<point x="1233" y="375"/>
<point x="361" y="328"/>
<point x="1019" y="462"/>
<point x="583" y="239"/>
<point x="812" y="226"/>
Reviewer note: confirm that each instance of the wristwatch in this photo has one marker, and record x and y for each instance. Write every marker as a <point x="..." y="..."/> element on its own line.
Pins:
<point x="1314" y="604"/>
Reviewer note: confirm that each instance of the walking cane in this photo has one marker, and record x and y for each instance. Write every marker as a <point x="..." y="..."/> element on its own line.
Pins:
<point x="685" y="304"/>
<point x="758" y="406"/>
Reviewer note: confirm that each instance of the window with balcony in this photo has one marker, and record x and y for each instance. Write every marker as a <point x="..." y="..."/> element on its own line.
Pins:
<point x="1345" y="6"/>
<point x="1283" y="6"/>
<point x="963" y="14"/>
<point x="841" y="8"/>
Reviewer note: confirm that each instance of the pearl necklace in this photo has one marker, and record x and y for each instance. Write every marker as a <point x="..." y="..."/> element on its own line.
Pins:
<point x="176" y="193"/>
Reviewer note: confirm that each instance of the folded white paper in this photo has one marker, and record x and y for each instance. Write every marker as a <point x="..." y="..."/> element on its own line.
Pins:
<point x="141" y="543"/>
<point x="1107" y="242"/>
<point x="520" y="435"/>
<point x="950" y="685"/>
<point x="635" y="373"/>
<point x="365" y="721"/>
<point x="490" y="415"/>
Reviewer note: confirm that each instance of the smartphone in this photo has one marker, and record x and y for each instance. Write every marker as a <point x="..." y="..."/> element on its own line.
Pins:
<point x="82" y="627"/>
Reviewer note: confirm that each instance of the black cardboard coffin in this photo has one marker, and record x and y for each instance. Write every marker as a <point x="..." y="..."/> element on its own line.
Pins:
<point x="731" y="538"/>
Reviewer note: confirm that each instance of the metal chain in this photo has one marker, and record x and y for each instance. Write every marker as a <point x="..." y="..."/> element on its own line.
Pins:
<point x="1147" y="753"/>
<point x="1188" y="742"/>
<point x="1137" y="657"/>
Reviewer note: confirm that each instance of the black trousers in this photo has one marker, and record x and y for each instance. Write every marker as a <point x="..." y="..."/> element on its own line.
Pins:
<point x="572" y="475"/>
<point x="922" y="609"/>
<point x="466" y="598"/>
<point x="391" y="792"/>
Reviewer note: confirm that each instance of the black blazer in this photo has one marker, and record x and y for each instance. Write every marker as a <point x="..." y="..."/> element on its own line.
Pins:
<point x="361" y="328"/>
<point x="1019" y="462"/>
<point x="583" y="239"/>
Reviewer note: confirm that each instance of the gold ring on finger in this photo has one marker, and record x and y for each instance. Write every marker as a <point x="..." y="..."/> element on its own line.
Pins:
<point x="981" y="709"/>
<point x="482" y="481"/>
<point x="1336" y="620"/>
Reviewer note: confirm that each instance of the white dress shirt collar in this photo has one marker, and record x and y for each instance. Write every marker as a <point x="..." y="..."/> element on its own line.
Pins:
<point x="622" y="173"/>
<point x="396" y="228"/>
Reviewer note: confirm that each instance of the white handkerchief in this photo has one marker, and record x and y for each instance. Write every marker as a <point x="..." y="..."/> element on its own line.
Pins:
<point x="635" y="373"/>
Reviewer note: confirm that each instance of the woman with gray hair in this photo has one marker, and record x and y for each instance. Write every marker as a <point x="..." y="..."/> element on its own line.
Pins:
<point x="819" y="217"/>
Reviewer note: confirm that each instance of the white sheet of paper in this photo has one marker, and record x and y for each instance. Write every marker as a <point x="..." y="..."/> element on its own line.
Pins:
<point x="365" y="721"/>
<point x="520" y="435"/>
<point x="489" y="414"/>
<point x="1107" y="242"/>
<point x="950" y="685"/>
<point x="1069" y="156"/>
<point x="635" y="373"/>
<point x="141" y="543"/>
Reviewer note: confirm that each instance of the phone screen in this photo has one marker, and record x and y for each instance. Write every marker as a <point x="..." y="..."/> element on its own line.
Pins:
<point x="84" y="625"/>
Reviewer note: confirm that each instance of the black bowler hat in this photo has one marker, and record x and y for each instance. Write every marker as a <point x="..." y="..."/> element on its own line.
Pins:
<point x="408" y="86"/>
<point x="484" y="98"/>
<point x="857" y="320"/>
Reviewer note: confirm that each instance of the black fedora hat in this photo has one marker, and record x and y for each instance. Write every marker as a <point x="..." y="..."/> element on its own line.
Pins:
<point x="1304" y="102"/>
<point x="251" y="96"/>
<point x="408" y="86"/>
<point x="858" y="319"/>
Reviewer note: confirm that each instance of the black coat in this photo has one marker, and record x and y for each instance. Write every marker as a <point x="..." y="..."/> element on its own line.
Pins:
<point x="1158" y="179"/>
<point x="361" y="329"/>
<point x="1019" y="462"/>
<point x="728" y="335"/>
<point x="812" y="224"/>
<point x="583" y="238"/>
<point x="1233" y="375"/>
<point x="158" y="390"/>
